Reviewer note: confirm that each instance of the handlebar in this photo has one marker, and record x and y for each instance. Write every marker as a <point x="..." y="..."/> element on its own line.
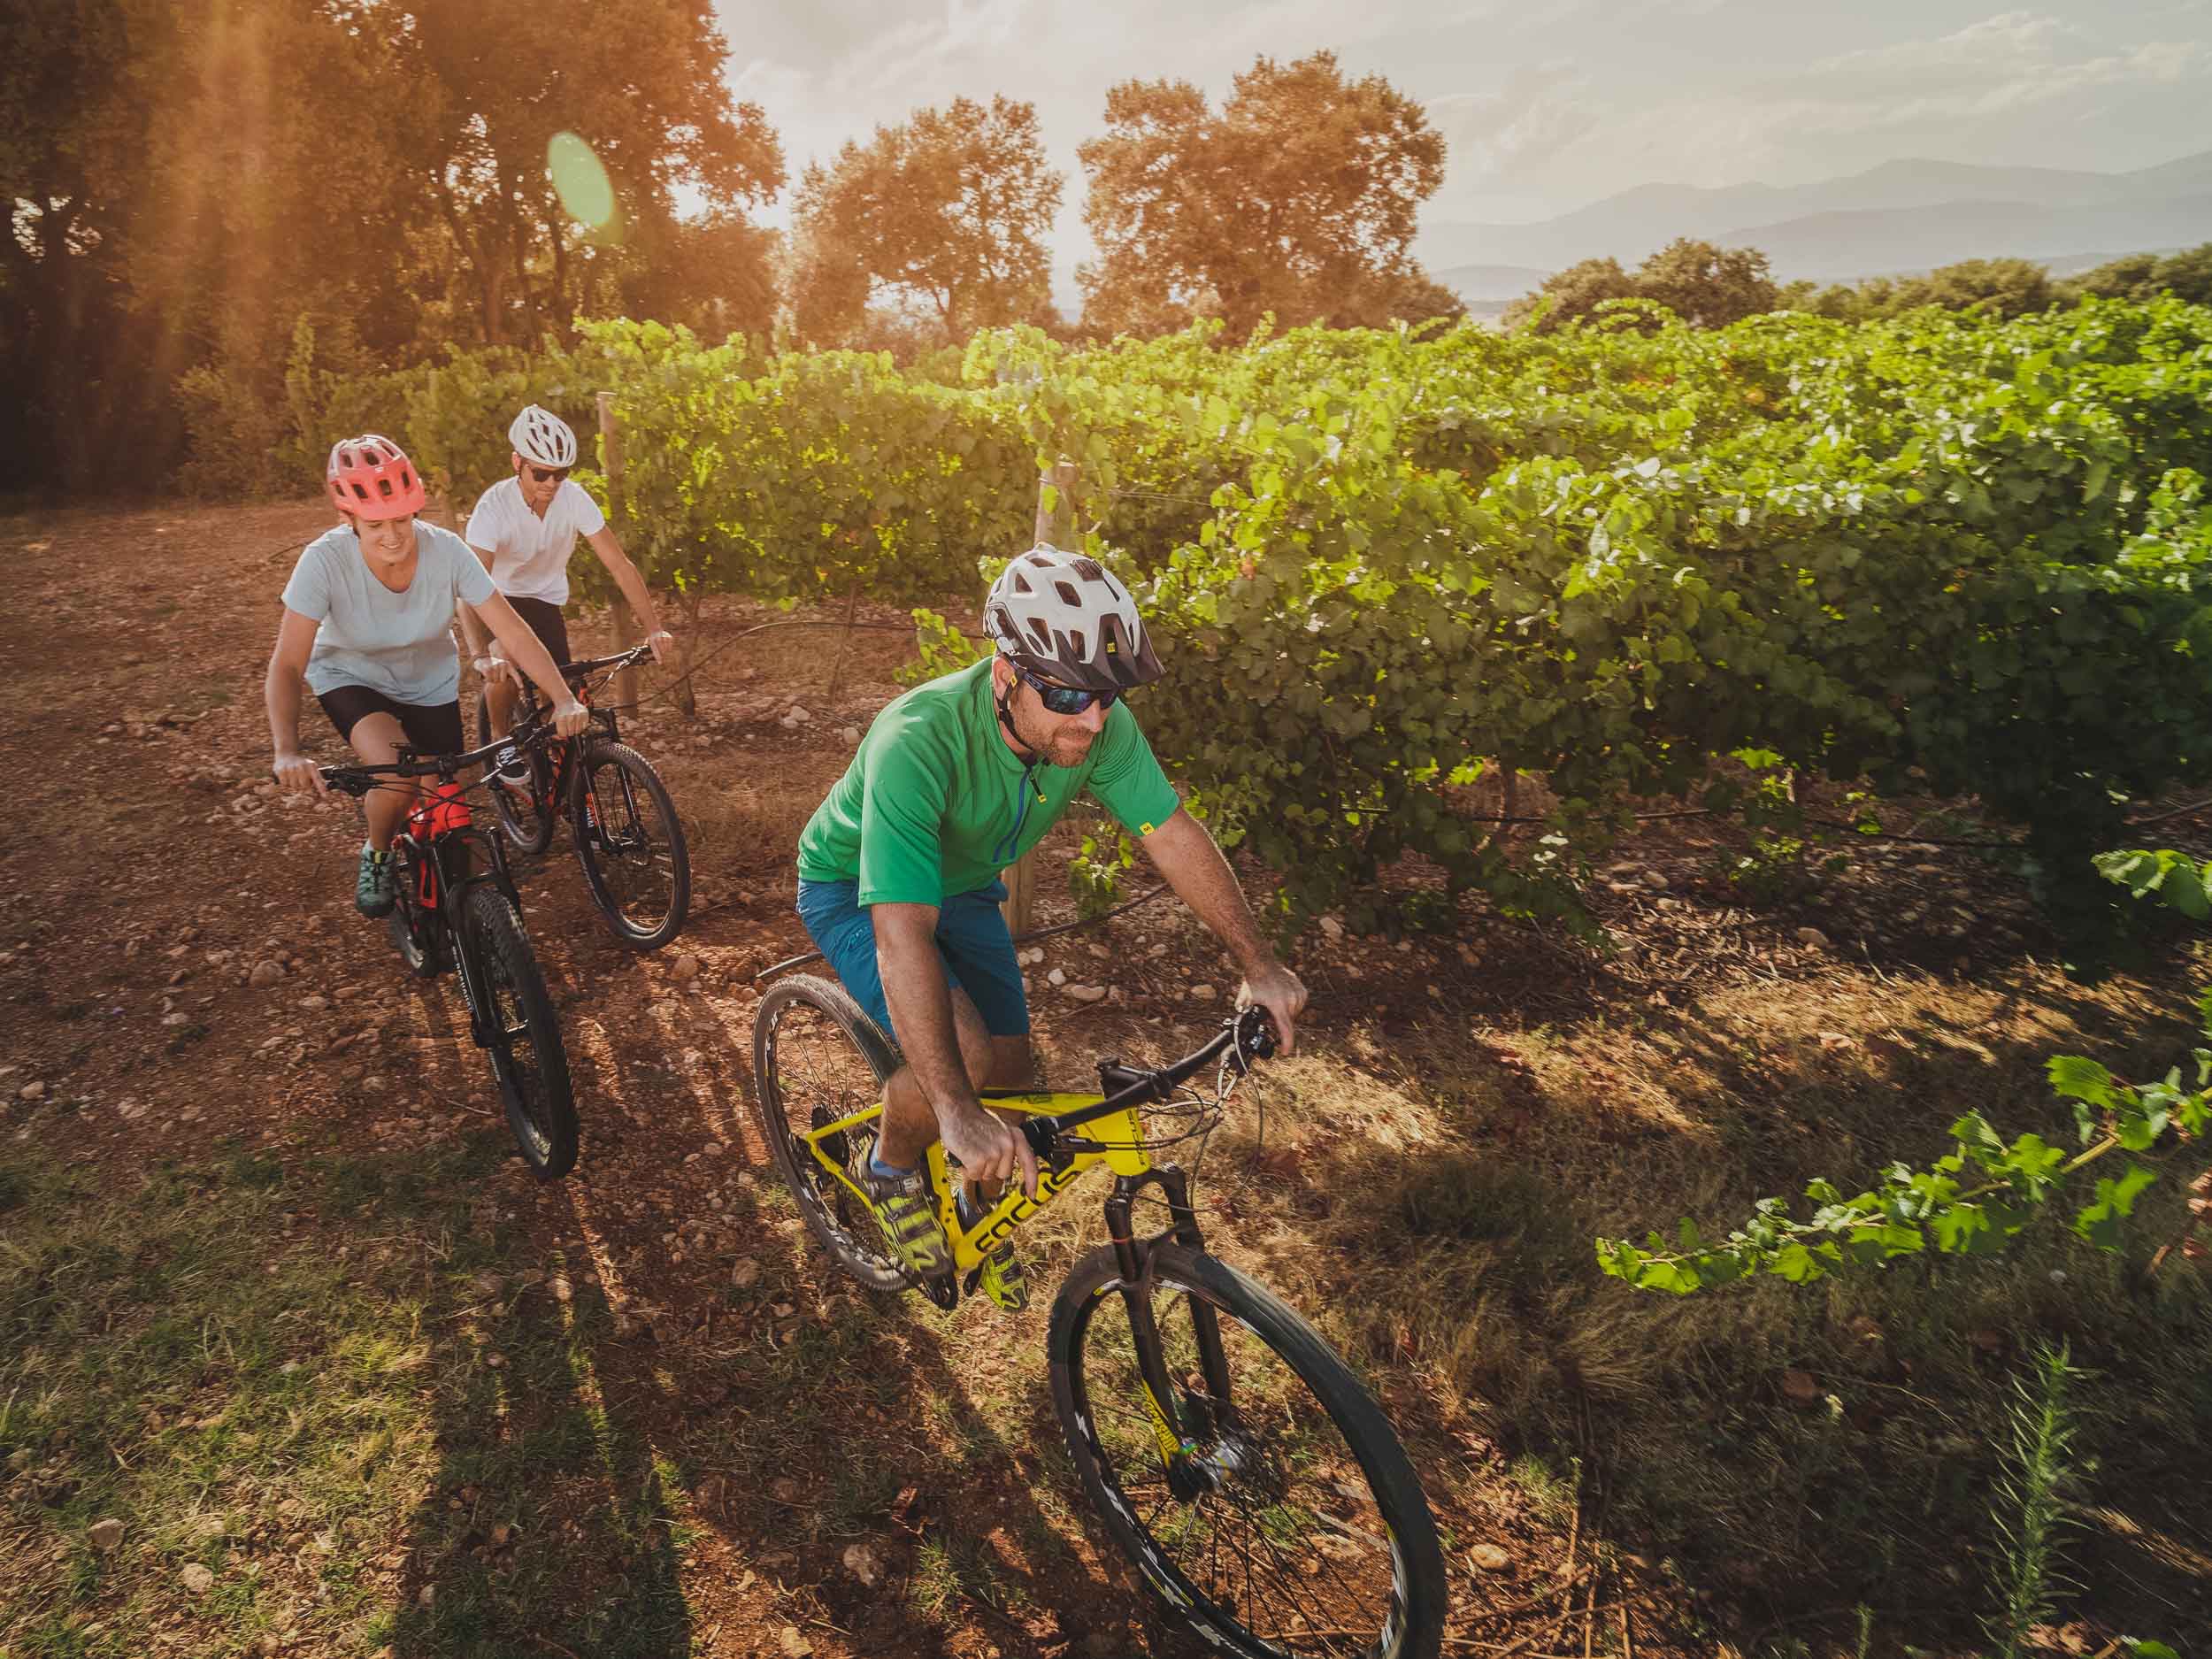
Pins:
<point x="590" y="665"/>
<point x="358" y="781"/>
<point x="1246" y="1037"/>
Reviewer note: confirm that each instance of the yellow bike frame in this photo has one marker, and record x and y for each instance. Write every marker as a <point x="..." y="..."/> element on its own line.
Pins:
<point x="1119" y="1144"/>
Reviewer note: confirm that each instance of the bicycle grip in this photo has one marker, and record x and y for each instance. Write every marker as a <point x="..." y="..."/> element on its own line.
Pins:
<point x="1042" y="1133"/>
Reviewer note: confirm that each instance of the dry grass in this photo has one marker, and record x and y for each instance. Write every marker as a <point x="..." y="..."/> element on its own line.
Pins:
<point x="1437" y="1218"/>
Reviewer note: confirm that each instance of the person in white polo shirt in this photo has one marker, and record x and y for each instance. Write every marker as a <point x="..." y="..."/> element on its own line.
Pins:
<point x="525" y="529"/>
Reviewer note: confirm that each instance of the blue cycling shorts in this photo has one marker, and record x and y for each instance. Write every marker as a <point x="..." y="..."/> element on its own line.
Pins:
<point x="972" y="941"/>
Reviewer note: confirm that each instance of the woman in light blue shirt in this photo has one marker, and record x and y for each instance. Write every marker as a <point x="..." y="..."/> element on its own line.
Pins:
<point x="368" y="625"/>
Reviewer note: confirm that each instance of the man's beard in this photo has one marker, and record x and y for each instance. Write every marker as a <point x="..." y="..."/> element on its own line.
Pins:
<point x="1069" y="747"/>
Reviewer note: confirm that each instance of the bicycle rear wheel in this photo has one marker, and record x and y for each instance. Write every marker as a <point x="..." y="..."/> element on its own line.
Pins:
<point x="818" y="1057"/>
<point x="631" y="846"/>
<point x="1288" y="1521"/>
<point x="525" y="815"/>
<point x="527" y="1055"/>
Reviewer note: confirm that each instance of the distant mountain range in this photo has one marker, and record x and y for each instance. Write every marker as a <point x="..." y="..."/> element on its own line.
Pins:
<point x="1903" y="216"/>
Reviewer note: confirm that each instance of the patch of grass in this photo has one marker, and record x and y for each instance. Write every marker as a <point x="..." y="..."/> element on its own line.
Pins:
<point x="305" y="1410"/>
<point x="935" y="1585"/>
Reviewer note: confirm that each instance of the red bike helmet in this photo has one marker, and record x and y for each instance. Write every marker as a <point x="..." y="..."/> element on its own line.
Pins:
<point x="370" y="476"/>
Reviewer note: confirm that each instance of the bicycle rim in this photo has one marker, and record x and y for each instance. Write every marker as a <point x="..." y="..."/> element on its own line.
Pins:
<point x="817" y="1059"/>
<point x="523" y="1037"/>
<point x="631" y="847"/>
<point x="1267" y="1528"/>
<point x="525" y="815"/>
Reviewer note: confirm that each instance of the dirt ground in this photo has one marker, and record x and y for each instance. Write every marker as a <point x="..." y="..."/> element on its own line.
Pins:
<point x="767" y="1421"/>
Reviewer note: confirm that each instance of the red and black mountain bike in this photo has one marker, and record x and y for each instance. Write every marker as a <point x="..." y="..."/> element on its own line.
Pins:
<point x="454" y="913"/>
<point x="619" y="813"/>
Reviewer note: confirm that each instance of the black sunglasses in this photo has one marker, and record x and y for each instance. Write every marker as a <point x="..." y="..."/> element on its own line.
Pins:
<point x="547" y="474"/>
<point x="1062" y="699"/>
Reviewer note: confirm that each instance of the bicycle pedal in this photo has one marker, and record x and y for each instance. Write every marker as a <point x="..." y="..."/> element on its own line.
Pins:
<point x="968" y="1285"/>
<point x="943" y="1289"/>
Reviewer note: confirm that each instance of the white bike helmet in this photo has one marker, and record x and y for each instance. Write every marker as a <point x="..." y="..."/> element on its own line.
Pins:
<point x="543" y="437"/>
<point x="1061" y="616"/>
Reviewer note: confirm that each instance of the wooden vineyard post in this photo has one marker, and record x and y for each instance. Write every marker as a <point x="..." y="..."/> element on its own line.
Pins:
<point x="626" y="631"/>
<point x="1055" y="527"/>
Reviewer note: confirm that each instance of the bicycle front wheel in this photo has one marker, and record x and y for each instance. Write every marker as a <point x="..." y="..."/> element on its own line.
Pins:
<point x="525" y="815"/>
<point x="631" y="847"/>
<point x="1267" y="1501"/>
<point x="523" y="1033"/>
<point x="817" y="1058"/>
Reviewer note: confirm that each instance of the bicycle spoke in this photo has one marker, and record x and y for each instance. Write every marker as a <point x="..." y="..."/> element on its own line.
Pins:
<point x="1315" y="1620"/>
<point x="1262" y="1542"/>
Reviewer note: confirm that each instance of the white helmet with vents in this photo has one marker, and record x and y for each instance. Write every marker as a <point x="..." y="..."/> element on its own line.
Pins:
<point x="543" y="437"/>
<point x="1060" y="615"/>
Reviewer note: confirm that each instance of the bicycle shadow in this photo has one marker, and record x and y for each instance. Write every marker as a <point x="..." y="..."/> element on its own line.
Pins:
<point x="880" y="1461"/>
<point x="547" y="1523"/>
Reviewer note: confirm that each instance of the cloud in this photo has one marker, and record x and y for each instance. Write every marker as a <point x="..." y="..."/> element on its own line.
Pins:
<point x="2014" y="61"/>
<point x="1497" y="137"/>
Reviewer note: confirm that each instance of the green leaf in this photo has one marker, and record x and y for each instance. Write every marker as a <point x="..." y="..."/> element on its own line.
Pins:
<point x="2100" y="1222"/>
<point x="2078" y="1079"/>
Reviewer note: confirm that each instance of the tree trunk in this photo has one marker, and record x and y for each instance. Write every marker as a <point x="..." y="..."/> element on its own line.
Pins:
<point x="518" y="243"/>
<point x="563" y="311"/>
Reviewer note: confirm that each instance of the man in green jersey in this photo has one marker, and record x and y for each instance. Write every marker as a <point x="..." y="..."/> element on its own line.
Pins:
<point x="899" y="873"/>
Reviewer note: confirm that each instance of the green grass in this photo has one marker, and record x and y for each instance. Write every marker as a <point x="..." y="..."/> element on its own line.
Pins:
<point x="257" y="1368"/>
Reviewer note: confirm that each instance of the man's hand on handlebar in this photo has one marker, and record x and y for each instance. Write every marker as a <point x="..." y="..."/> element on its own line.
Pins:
<point x="570" y="718"/>
<point x="1276" y="989"/>
<point x="492" y="668"/>
<point x="660" y="642"/>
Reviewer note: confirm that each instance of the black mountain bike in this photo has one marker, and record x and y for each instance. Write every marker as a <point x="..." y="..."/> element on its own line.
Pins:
<point x="452" y="913"/>
<point x="628" y="838"/>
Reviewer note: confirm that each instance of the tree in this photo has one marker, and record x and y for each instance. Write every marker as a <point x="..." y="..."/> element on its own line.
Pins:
<point x="1573" y="292"/>
<point x="947" y="214"/>
<point x="1701" y="283"/>
<point x="641" y="83"/>
<point x="1299" y="199"/>
<point x="2005" y="287"/>
<point x="2186" y="275"/>
<point x="1709" y="286"/>
<point x="190" y="179"/>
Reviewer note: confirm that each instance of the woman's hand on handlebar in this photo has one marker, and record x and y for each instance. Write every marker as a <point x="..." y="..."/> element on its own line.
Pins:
<point x="570" y="718"/>
<point x="660" y="642"/>
<point x="296" y="775"/>
<point x="492" y="667"/>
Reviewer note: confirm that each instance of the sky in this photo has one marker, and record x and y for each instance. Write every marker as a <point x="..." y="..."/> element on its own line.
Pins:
<point x="1546" y="105"/>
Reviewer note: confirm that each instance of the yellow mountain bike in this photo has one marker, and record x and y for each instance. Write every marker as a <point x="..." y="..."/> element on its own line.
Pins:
<point x="1231" y="1455"/>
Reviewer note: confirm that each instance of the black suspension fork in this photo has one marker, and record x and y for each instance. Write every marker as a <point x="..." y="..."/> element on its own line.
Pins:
<point x="1133" y="1258"/>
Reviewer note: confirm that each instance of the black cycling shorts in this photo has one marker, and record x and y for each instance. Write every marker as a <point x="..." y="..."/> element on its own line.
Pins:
<point x="431" y="728"/>
<point x="548" y="623"/>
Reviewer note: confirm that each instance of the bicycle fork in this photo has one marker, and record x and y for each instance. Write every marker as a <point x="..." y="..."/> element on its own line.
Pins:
<point x="1180" y="1414"/>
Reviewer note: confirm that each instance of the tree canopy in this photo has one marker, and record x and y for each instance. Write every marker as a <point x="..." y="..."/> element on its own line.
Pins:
<point x="1299" y="199"/>
<point x="946" y="214"/>
<point x="1702" y="283"/>
<point x="192" y="177"/>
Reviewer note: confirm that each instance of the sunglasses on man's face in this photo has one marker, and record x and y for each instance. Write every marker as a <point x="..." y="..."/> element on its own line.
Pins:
<point x="549" y="474"/>
<point x="1062" y="699"/>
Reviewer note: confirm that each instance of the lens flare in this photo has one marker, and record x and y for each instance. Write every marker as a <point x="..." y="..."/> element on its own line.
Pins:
<point x="581" y="183"/>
